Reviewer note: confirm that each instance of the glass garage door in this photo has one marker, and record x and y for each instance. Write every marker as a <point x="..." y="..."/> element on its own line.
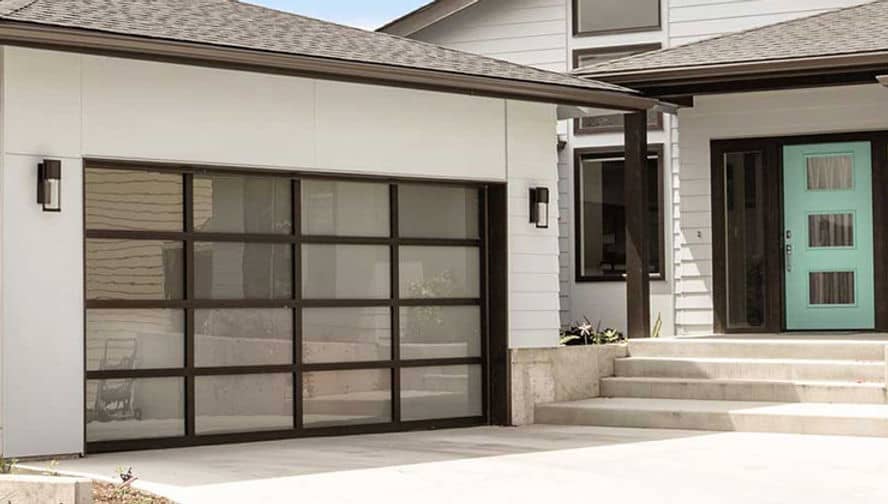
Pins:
<point x="225" y="306"/>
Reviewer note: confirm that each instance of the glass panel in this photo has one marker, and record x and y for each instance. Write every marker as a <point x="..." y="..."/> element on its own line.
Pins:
<point x="616" y="15"/>
<point x="831" y="288"/>
<point x="831" y="230"/>
<point x="242" y="270"/>
<point x="133" y="200"/>
<point x="135" y="408"/>
<point x="227" y="203"/>
<point x="134" y="269"/>
<point x="243" y="337"/>
<point x="345" y="271"/>
<point x="825" y="173"/>
<point x="603" y="217"/>
<point x="429" y="211"/>
<point x="134" y="339"/>
<point x="347" y="397"/>
<point x="243" y="403"/>
<point x="440" y="332"/>
<point x="440" y="272"/>
<point x="745" y="242"/>
<point x="335" y="208"/>
<point x="346" y="334"/>
<point x="441" y="392"/>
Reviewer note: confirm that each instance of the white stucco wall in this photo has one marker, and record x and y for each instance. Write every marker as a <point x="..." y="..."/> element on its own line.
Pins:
<point x="773" y="113"/>
<point x="69" y="107"/>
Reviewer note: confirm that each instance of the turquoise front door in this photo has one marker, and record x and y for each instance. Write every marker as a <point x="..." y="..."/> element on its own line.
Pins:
<point x="828" y="236"/>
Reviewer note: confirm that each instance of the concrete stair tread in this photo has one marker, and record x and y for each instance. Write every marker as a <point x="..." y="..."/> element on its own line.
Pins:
<point x="830" y="410"/>
<point x="739" y="381"/>
<point x="756" y="360"/>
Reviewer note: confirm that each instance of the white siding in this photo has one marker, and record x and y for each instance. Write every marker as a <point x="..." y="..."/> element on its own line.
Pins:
<point x="533" y="272"/>
<point x="529" y="32"/>
<point x="691" y="20"/>
<point x="777" y="113"/>
<point x="69" y="106"/>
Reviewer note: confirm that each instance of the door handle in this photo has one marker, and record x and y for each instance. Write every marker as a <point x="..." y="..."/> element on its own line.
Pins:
<point x="788" y="250"/>
<point x="788" y="261"/>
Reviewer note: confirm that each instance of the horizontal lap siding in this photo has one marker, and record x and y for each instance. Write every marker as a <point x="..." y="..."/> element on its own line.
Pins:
<point x="529" y="32"/>
<point x="778" y="113"/>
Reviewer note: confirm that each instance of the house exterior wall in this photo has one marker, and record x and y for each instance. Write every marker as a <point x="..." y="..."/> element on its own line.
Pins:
<point x="529" y="32"/>
<point x="763" y="114"/>
<point x="70" y="107"/>
<point x="534" y="32"/>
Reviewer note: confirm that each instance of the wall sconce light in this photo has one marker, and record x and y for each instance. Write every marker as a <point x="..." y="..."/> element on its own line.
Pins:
<point x="49" y="185"/>
<point x="539" y="207"/>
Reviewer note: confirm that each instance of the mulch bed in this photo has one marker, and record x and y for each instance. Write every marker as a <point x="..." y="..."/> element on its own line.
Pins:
<point x="106" y="493"/>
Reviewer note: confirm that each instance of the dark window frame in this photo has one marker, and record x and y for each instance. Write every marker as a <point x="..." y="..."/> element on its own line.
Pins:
<point x="575" y="23"/>
<point x="580" y="154"/>
<point x="494" y="407"/>
<point x="655" y="119"/>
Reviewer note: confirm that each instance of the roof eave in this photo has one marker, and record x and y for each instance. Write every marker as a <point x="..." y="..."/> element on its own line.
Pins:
<point x="137" y="47"/>
<point x="708" y="74"/>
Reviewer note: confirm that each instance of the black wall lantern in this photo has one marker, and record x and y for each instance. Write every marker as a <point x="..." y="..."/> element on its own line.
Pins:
<point x="49" y="185"/>
<point x="539" y="207"/>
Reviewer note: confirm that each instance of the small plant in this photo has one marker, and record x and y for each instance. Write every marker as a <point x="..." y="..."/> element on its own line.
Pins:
<point x="53" y="464"/>
<point x="7" y="465"/>
<point x="577" y="334"/>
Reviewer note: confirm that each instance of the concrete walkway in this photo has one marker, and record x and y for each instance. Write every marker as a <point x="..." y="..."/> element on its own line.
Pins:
<point x="537" y="464"/>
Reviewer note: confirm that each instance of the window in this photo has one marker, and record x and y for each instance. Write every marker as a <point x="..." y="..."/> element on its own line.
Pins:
<point x="593" y="17"/>
<point x="745" y="240"/>
<point x="601" y="213"/>
<point x="269" y="306"/>
<point x="613" y="122"/>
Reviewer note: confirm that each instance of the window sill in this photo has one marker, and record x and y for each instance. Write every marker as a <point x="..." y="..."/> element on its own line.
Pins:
<point x="655" y="277"/>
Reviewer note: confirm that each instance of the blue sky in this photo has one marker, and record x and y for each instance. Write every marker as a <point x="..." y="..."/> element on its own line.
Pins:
<point x="369" y="14"/>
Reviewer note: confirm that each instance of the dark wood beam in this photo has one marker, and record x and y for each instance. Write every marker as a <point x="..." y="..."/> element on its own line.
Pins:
<point x="637" y="250"/>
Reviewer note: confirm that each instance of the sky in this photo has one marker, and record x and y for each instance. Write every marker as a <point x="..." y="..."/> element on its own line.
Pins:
<point x="368" y="14"/>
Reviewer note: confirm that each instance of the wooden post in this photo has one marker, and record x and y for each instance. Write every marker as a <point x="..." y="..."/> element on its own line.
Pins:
<point x="638" y="302"/>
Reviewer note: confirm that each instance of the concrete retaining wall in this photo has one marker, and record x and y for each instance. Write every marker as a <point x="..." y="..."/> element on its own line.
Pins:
<point x="26" y="489"/>
<point x="544" y="375"/>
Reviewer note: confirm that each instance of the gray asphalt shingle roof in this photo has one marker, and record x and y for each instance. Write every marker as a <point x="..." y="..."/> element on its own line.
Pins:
<point x="232" y="23"/>
<point x="851" y="30"/>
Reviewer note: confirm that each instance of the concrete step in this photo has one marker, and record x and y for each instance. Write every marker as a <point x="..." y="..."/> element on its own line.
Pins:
<point x="752" y="369"/>
<point x="759" y="349"/>
<point x="744" y="390"/>
<point x="745" y="416"/>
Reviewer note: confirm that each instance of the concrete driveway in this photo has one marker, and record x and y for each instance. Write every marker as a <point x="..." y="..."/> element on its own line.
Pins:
<point x="536" y="464"/>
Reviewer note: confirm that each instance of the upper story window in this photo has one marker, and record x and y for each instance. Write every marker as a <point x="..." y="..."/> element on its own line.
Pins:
<point x="610" y="123"/>
<point x="592" y="17"/>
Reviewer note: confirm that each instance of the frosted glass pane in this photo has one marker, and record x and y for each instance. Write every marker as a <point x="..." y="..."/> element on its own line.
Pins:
<point x="346" y="334"/>
<point x="228" y="203"/>
<point x="335" y="208"/>
<point x="347" y="397"/>
<point x="441" y="392"/>
<point x="243" y="403"/>
<point x="135" y="339"/>
<point x="345" y="271"/>
<point x="440" y="332"/>
<point x="429" y="211"/>
<point x="133" y="200"/>
<point x="135" y="408"/>
<point x="440" y="272"/>
<point x="243" y="337"/>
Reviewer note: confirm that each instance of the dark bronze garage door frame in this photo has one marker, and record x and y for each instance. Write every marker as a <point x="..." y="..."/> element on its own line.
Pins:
<point x="493" y="360"/>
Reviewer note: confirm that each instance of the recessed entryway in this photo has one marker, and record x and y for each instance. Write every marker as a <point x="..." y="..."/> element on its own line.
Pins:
<point x="797" y="230"/>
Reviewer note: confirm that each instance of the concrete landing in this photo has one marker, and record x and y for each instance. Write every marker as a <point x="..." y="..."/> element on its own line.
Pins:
<point x="527" y="465"/>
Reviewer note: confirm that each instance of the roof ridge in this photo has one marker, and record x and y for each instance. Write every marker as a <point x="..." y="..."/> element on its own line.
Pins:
<point x="9" y="6"/>
<point x="586" y="70"/>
